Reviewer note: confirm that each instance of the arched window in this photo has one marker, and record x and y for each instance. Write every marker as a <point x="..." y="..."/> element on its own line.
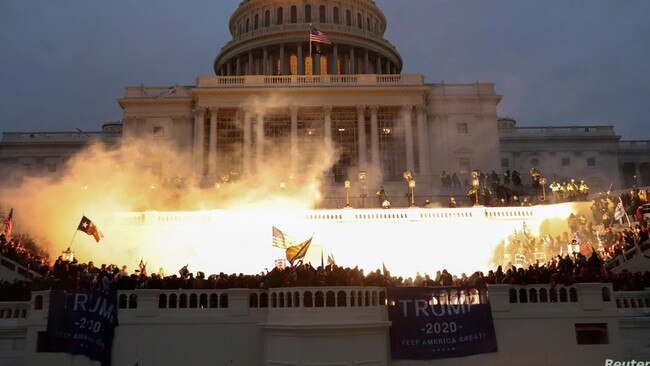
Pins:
<point x="307" y="13"/>
<point x="267" y="18"/>
<point x="348" y="18"/>
<point x="256" y="23"/>
<point x="322" y="14"/>
<point x="248" y="23"/>
<point x="280" y="18"/>
<point x="294" y="14"/>
<point x="376" y="27"/>
<point x="359" y="21"/>
<point x="239" y="27"/>
<point x="336" y="15"/>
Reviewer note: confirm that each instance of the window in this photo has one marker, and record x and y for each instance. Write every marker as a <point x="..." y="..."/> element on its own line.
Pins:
<point x="368" y="24"/>
<point x="158" y="131"/>
<point x="294" y="14"/>
<point x="591" y="333"/>
<point x="307" y="13"/>
<point x="279" y="19"/>
<point x="505" y="162"/>
<point x="566" y="161"/>
<point x="248" y="24"/>
<point x="322" y="14"/>
<point x="462" y="128"/>
<point x="51" y="168"/>
<point x="336" y="16"/>
<point x="348" y="18"/>
<point x="256" y="23"/>
<point x="359" y="22"/>
<point x="464" y="165"/>
<point x="591" y="162"/>
<point x="267" y="18"/>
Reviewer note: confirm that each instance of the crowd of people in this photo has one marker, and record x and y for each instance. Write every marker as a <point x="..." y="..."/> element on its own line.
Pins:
<point x="560" y="270"/>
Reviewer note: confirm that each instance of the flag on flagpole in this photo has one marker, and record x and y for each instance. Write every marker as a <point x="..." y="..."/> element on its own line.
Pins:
<point x="619" y="213"/>
<point x="330" y="260"/>
<point x="317" y="36"/>
<point x="90" y="228"/>
<point x="384" y="270"/>
<point x="281" y="240"/>
<point x="184" y="272"/>
<point x="143" y="267"/>
<point x="298" y="251"/>
<point x="9" y="223"/>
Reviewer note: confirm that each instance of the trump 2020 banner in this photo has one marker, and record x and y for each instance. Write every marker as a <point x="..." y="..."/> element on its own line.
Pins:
<point x="439" y="322"/>
<point x="82" y="323"/>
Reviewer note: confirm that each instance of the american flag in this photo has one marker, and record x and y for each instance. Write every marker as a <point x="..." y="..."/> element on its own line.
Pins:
<point x="317" y="36"/>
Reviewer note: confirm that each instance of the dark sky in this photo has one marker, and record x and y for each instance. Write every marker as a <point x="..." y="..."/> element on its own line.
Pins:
<point x="64" y="63"/>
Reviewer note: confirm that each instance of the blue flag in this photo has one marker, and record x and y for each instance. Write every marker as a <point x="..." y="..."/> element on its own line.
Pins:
<point x="82" y="323"/>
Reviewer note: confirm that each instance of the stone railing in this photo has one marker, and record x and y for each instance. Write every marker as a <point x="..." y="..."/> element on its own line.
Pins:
<point x="502" y="298"/>
<point x="562" y="131"/>
<point x="35" y="137"/>
<point x="342" y="215"/>
<point x="308" y="80"/>
<point x="158" y="92"/>
<point x="633" y="299"/>
<point x="634" y="145"/>
<point x="460" y="89"/>
<point x="14" y="310"/>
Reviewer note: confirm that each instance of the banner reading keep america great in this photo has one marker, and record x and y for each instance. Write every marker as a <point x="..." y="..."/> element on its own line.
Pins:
<point x="440" y="322"/>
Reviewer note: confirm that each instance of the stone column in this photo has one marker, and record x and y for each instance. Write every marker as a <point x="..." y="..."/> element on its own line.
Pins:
<point x="200" y="141"/>
<point x="388" y="71"/>
<point x="327" y="109"/>
<point x="366" y="62"/>
<point x="228" y="69"/>
<point x="353" y="69"/>
<point x="316" y="64"/>
<point x="249" y="67"/>
<point x="408" y="135"/>
<point x="361" y="134"/>
<point x="423" y="141"/>
<point x="374" y="136"/>
<point x="212" y="157"/>
<point x="259" y="142"/>
<point x="265" y="61"/>
<point x="301" y="59"/>
<point x="335" y="61"/>
<point x="247" y="140"/>
<point x="294" y="138"/>
<point x="378" y="64"/>
<point x="238" y="66"/>
<point x="195" y="139"/>
<point x="282" y="61"/>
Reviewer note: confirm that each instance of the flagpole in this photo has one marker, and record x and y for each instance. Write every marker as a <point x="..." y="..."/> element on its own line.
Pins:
<point x="312" y="61"/>
<point x="626" y="215"/>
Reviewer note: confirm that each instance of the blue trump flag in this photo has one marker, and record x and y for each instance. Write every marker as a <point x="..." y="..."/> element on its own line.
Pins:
<point x="82" y="323"/>
<point x="440" y="322"/>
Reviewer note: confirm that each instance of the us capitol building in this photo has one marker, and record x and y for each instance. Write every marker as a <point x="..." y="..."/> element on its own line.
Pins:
<point x="270" y="95"/>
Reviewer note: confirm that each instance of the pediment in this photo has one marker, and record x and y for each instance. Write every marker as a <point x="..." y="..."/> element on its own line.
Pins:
<point x="464" y="151"/>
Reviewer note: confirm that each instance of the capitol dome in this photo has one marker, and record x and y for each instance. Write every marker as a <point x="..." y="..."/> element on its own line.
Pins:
<point x="271" y="37"/>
